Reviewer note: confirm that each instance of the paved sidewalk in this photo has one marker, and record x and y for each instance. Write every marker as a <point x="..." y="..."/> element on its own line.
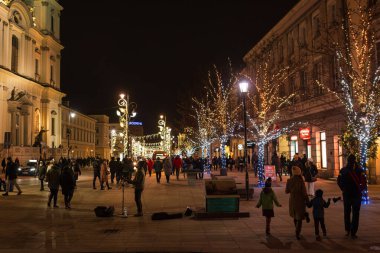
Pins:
<point x="27" y="224"/>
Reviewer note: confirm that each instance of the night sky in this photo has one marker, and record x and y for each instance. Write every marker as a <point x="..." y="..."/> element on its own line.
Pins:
<point x="155" y="49"/>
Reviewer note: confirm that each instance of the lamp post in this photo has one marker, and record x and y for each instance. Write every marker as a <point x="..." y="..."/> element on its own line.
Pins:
<point x="124" y="118"/>
<point x="68" y="133"/>
<point x="244" y="90"/>
<point x="165" y="134"/>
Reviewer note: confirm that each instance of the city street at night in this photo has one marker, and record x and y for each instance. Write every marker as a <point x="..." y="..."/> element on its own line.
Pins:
<point x="28" y="224"/>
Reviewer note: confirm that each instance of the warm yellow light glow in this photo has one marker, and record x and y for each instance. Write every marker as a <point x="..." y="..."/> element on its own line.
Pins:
<point x="118" y="113"/>
<point x="161" y="116"/>
<point x="72" y="114"/>
<point x="243" y="87"/>
<point x="122" y="95"/>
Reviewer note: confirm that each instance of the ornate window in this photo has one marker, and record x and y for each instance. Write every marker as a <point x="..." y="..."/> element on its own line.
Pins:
<point x="14" y="60"/>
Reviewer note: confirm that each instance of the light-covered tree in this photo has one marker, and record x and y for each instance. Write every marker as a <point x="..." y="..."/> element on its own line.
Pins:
<point x="266" y="104"/>
<point x="359" y="75"/>
<point x="220" y="91"/>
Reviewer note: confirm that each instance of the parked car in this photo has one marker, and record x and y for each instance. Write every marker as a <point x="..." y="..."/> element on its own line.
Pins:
<point x="29" y="170"/>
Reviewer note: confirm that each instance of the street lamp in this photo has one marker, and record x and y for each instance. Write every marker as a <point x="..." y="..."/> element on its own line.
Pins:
<point x="244" y="90"/>
<point x="165" y="134"/>
<point x="68" y="133"/>
<point x="124" y="118"/>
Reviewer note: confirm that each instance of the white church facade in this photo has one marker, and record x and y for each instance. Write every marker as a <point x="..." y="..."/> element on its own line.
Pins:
<point x="30" y="55"/>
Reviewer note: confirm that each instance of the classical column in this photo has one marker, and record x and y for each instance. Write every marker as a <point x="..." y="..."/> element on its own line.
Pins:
<point x="27" y="126"/>
<point x="12" y="109"/>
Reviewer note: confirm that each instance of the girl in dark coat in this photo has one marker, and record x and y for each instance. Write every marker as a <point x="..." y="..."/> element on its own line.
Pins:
<point x="319" y="204"/>
<point x="67" y="183"/>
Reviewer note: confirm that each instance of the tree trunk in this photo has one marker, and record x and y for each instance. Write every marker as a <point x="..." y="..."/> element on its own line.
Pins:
<point x="260" y="167"/>
<point x="363" y="164"/>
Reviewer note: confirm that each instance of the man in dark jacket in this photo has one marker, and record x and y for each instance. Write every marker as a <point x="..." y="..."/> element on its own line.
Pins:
<point x="138" y="183"/>
<point x="96" y="166"/>
<point x="113" y="168"/>
<point x="11" y="176"/>
<point x="352" y="182"/>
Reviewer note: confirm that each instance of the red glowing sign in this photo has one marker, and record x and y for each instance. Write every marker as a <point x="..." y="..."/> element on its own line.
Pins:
<point x="305" y="133"/>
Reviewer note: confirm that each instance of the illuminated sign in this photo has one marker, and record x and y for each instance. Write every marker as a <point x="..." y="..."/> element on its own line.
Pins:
<point x="305" y="133"/>
<point x="135" y="123"/>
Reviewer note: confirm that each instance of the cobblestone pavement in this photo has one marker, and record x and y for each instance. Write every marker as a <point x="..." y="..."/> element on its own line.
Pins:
<point x="27" y="224"/>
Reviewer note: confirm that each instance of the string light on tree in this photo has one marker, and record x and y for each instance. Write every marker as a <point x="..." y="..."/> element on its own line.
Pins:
<point x="359" y="89"/>
<point x="266" y="105"/>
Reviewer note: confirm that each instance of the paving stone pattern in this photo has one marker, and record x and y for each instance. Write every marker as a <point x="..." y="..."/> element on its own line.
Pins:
<point x="28" y="225"/>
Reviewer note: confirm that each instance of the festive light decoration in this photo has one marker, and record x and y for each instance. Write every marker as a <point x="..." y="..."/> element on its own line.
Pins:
<point x="225" y="115"/>
<point x="266" y="107"/>
<point x="359" y="89"/>
<point x="205" y="133"/>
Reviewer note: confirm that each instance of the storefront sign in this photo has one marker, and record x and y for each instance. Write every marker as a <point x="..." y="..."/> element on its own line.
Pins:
<point x="305" y="133"/>
<point x="270" y="171"/>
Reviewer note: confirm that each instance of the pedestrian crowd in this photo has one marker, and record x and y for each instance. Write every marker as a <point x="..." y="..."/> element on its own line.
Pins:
<point x="64" y="173"/>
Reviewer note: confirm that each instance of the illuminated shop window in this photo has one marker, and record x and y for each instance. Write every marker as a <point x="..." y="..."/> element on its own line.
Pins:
<point x="323" y="150"/>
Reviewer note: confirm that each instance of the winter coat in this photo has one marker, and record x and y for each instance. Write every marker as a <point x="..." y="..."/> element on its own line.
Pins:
<point x="150" y="164"/>
<point x="11" y="170"/>
<point x="139" y="179"/>
<point x="67" y="181"/>
<point x="351" y="181"/>
<point x="104" y="173"/>
<point x="42" y="172"/>
<point x="267" y="197"/>
<point x="177" y="163"/>
<point x="298" y="197"/>
<point x="318" y="204"/>
<point x="157" y="166"/>
<point x="168" y="166"/>
<point x="53" y="177"/>
<point x="310" y="172"/>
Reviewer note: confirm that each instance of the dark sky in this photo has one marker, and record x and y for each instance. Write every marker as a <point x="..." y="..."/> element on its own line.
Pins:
<point x="154" y="49"/>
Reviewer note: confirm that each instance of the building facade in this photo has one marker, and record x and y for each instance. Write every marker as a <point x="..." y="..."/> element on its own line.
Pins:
<point x="78" y="134"/>
<point x="296" y="41"/>
<point x="102" y="136"/>
<point x="30" y="56"/>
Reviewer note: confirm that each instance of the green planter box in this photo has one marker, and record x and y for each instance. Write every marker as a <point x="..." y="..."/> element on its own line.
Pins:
<point x="222" y="203"/>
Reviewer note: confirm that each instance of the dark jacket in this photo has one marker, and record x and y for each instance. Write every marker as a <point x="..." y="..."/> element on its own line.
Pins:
<point x="351" y="180"/>
<point x="318" y="204"/>
<point x="139" y="179"/>
<point x="157" y="166"/>
<point x="67" y="181"/>
<point x="11" y="170"/>
<point x="53" y="177"/>
<point x="310" y="172"/>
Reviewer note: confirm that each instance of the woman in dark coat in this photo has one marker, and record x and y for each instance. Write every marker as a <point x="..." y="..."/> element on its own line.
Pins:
<point x="67" y="183"/>
<point x="297" y="199"/>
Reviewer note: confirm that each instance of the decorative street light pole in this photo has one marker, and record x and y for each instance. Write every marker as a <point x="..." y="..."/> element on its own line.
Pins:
<point x="165" y="134"/>
<point x="122" y="112"/>
<point x="68" y="133"/>
<point x="124" y="118"/>
<point x="244" y="90"/>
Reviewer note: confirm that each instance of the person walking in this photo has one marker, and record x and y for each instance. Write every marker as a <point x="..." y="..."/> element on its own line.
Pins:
<point x="53" y="180"/>
<point x="298" y="198"/>
<point x="352" y="182"/>
<point x="277" y="165"/>
<point x="119" y="170"/>
<point x="177" y="163"/>
<point x="267" y="198"/>
<point x="150" y="166"/>
<point x="319" y="204"/>
<point x="310" y="174"/>
<point x="167" y="168"/>
<point x="157" y="169"/>
<point x="96" y="165"/>
<point x="142" y="163"/>
<point x="214" y="162"/>
<point x="230" y="163"/>
<point x="104" y="175"/>
<point x="113" y="168"/>
<point x="42" y="173"/>
<point x="138" y="182"/>
<point x="77" y="171"/>
<point x="11" y="176"/>
<point x="67" y="183"/>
